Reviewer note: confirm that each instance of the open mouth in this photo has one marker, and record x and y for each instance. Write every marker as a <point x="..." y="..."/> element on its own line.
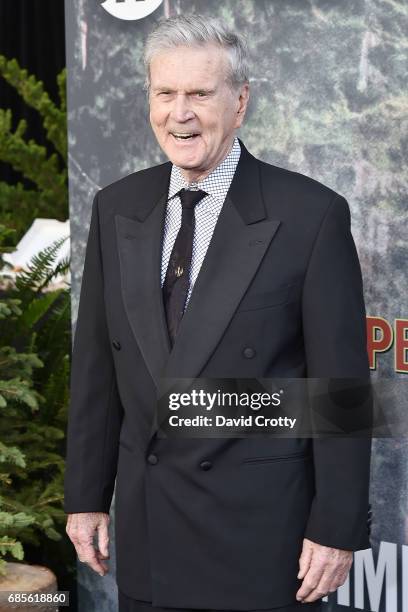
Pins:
<point x="187" y="136"/>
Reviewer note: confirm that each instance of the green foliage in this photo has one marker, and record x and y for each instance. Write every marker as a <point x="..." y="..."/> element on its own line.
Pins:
<point x="34" y="373"/>
<point x="9" y="546"/>
<point x="46" y="171"/>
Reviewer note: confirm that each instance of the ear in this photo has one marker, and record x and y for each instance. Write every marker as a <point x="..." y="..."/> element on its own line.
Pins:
<point x="242" y="104"/>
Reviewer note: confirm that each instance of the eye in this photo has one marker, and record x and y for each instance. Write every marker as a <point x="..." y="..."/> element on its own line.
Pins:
<point x="201" y="94"/>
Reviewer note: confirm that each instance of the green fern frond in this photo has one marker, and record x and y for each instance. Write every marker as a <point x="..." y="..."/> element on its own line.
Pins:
<point x="38" y="308"/>
<point x="40" y="271"/>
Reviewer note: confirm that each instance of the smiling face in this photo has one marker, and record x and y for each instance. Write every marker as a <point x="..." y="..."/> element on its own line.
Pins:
<point x="193" y="111"/>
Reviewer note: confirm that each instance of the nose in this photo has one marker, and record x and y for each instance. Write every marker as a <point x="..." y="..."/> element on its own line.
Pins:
<point x="181" y="110"/>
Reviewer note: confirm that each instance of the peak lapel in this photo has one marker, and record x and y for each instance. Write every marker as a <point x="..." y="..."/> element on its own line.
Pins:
<point x="139" y="241"/>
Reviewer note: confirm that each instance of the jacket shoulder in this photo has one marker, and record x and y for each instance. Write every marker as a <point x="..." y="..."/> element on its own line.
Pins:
<point x="295" y="182"/>
<point x="292" y="194"/>
<point x="153" y="179"/>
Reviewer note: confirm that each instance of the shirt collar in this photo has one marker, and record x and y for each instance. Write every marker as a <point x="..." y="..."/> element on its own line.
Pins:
<point x="216" y="183"/>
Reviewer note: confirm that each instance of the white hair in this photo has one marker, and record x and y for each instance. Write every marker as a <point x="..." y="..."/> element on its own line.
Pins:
<point x="195" y="30"/>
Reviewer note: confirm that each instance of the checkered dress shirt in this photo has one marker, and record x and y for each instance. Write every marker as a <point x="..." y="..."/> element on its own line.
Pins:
<point x="206" y="212"/>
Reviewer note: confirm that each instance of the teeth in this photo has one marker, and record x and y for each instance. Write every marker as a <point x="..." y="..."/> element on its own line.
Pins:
<point x="182" y="135"/>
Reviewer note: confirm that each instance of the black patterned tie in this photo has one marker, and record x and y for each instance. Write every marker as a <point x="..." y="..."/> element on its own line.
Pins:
<point x="176" y="283"/>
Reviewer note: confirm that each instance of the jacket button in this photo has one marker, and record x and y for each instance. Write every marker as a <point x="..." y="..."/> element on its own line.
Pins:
<point x="206" y="465"/>
<point x="152" y="459"/>
<point x="249" y="352"/>
<point x="116" y="345"/>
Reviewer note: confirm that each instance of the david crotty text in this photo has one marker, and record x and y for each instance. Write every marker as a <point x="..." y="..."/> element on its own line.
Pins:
<point x="221" y="421"/>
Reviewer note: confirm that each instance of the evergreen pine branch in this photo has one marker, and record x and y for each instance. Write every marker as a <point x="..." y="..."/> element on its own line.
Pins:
<point x="11" y="546"/>
<point x="6" y="233"/>
<point x="9" y="521"/>
<point x="18" y="390"/>
<point x="10" y="307"/>
<point x="31" y="204"/>
<point x="11" y="455"/>
<point x="15" y="197"/>
<point x="62" y="89"/>
<point x="14" y="364"/>
<point x="39" y="506"/>
<point x="31" y="159"/>
<point x="33" y="93"/>
<point x="5" y="479"/>
<point x="56" y="391"/>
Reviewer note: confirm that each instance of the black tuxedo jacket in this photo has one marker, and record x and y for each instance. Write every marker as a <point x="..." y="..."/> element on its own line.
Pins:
<point x="279" y="294"/>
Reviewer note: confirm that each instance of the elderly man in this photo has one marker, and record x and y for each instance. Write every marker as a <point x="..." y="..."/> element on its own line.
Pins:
<point x="218" y="265"/>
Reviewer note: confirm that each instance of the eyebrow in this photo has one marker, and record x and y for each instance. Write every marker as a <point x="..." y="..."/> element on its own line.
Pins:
<point x="189" y="91"/>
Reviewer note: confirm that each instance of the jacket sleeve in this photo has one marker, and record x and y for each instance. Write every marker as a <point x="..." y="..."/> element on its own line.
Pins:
<point x="334" y="328"/>
<point x="95" y="411"/>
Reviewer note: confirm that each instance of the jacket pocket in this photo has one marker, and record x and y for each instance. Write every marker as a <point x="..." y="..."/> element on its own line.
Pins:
<point x="273" y="297"/>
<point x="301" y="456"/>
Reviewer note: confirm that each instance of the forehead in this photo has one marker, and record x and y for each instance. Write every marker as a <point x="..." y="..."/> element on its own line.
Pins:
<point x="189" y="66"/>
